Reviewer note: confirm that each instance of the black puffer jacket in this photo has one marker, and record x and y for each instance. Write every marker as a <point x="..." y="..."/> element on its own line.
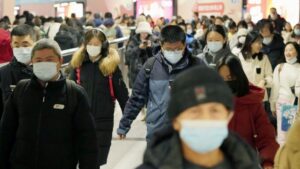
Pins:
<point x="164" y="152"/>
<point x="136" y="57"/>
<point x="10" y="75"/>
<point x="40" y="131"/>
<point x="96" y="83"/>
<point x="275" y="50"/>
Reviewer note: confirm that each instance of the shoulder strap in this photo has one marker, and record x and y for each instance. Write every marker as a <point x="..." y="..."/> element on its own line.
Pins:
<point x="78" y="78"/>
<point x="71" y="96"/>
<point x="149" y="66"/>
<point x="111" y="88"/>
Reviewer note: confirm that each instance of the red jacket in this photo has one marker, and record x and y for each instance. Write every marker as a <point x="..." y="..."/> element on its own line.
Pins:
<point x="6" y="53"/>
<point x="250" y="121"/>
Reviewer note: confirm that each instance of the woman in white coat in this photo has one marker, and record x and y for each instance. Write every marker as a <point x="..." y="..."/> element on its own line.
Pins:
<point x="285" y="90"/>
<point x="257" y="67"/>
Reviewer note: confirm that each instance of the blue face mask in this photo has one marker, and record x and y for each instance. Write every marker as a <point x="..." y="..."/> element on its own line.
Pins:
<point x="203" y="136"/>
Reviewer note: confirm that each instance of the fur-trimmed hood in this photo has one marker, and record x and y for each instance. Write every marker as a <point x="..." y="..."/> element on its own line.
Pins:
<point x="107" y="65"/>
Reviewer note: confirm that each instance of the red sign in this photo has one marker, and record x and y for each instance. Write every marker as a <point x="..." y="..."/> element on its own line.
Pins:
<point x="217" y="7"/>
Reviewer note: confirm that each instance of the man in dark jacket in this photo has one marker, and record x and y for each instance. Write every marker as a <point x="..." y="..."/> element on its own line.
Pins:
<point x="200" y="108"/>
<point x="22" y="40"/>
<point x="273" y="45"/>
<point x="47" y="122"/>
<point x="152" y="85"/>
<point x="277" y="19"/>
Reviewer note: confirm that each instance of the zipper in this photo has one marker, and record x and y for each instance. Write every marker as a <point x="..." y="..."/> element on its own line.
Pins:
<point x="38" y="131"/>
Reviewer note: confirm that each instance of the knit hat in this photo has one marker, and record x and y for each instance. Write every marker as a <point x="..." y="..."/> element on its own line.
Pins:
<point x="242" y="32"/>
<point x="195" y="86"/>
<point x="144" y="27"/>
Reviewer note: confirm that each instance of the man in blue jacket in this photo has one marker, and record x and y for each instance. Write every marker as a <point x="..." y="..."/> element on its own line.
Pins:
<point x="153" y="83"/>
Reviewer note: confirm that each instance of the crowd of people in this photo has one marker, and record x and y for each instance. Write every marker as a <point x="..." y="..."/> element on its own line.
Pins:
<point x="217" y="94"/>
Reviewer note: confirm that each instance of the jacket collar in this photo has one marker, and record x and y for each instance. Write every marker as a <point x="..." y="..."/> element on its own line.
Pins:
<point x="50" y="85"/>
<point x="164" y="151"/>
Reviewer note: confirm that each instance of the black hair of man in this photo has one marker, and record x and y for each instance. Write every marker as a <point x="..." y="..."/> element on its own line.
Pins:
<point x="23" y="30"/>
<point x="172" y="34"/>
<point x="265" y="23"/>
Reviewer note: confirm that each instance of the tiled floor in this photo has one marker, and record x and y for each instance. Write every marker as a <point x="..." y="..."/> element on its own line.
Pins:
<point x="127" y="154"/>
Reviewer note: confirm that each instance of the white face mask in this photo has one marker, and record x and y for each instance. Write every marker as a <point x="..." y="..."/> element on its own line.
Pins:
<point x="292" y="60"/>
<point x="173" y="56"/>
<point x="23" y="54"/>
<point x="297" y="32"/>
<point x="267" y="40"/>
<point x="45" y="71"/>
<point x="189" y="31"/>
<point x="242" y="39"/>
<point x="93" y="51"/>
<point x="215" y="46"/>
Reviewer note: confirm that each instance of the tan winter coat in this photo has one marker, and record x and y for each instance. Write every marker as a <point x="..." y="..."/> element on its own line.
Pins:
<point x="288" y="156"/>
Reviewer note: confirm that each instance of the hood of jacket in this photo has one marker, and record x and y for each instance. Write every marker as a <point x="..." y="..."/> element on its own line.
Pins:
<point x="255" y="95"/>
<point x="107" y="65"/>
<point x="164" y="152"/>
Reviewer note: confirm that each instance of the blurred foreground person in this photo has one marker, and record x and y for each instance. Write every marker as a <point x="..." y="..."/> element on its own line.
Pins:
<point x="200" y="110"/>
<point x="288" y="156"/>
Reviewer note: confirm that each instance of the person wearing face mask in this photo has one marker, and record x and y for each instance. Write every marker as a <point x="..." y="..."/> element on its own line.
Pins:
<point x="22" y="40"/>
<point x="250" y="120"/>
<point x="216" y="45"/>
<point x="238" y="41"/>
<point x="152" y="85"/>
<point x="273" y="45"/>
<point x="287" y="32"/>
<point x="277" y="19"/>
<point x="47" y="121"/>
<point x="257" y="67"/>
<point x="296" y="34"/>
<point x="200" y="108"/>
<point x="139" y="48"/>
<point x="285" y="89"/>
<point x="95" y="68"/>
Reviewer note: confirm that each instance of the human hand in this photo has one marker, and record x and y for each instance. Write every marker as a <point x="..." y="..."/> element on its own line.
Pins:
<point x="274" y="113"/>
<point x="122" y="136"/>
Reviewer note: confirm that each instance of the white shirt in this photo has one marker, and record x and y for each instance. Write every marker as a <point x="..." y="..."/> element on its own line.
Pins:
<point x="257" y="70"/>
<point x="288" y="77"/>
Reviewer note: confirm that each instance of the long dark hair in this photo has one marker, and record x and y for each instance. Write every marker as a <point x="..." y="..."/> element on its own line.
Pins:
<point x="237" y="72"/>
<point x="297" y="47"/>
<point x="250" y="39"/>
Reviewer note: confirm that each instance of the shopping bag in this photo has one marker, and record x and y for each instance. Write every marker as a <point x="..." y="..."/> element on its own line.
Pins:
<point x="289" y="113"/>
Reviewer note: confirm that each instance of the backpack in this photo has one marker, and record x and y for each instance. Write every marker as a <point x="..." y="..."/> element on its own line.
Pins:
<point x="149" y="66"/>
<point x="71" y="93"/>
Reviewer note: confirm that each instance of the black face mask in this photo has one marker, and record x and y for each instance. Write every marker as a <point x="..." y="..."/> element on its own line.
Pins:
<point x="233" y="86"/>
